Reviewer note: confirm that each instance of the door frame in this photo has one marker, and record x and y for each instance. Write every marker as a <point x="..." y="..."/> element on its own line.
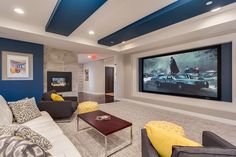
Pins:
<point x="114" y="72"/>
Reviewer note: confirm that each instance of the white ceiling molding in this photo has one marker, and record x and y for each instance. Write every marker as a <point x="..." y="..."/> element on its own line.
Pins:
<point x="112" y="16"/>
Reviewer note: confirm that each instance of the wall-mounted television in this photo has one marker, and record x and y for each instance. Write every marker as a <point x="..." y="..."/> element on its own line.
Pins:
<point x="190" y="73"/>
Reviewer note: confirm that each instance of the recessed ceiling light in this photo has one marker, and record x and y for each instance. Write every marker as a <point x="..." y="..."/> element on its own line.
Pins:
<point x="209" y="2"/>
<point x="19" y="11"/>
<point x="89" y="56"/>
<point x="123" y="42"/>
<point x="91" y="33"/>
<point x="216" y="9"/>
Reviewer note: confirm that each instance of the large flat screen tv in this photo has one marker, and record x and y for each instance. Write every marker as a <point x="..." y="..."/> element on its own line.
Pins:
<point x="191" y="73"/>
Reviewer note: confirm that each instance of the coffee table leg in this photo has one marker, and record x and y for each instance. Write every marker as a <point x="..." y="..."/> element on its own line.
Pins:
<point x="131" y="134"/>
<point x="78" y="129"/>
<point x="77" y="123"/>
<point x="105" y="146"/>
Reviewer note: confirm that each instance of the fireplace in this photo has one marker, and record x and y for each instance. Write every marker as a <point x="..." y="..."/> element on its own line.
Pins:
<point x="59" y="81"/>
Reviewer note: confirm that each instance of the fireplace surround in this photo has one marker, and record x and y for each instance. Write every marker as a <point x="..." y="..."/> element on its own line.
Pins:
<point x="59" y="81"/>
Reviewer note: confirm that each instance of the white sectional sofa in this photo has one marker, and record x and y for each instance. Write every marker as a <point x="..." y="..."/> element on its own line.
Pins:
<point x="45" y="126"/>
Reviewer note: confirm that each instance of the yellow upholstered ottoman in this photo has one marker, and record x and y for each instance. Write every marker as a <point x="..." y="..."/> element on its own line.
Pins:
<point x="87" y="106"/>
<point x="167" y="126"/>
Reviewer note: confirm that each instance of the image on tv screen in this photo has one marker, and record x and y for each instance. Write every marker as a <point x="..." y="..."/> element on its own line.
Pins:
<point x="190" y="73"/>
<point x="58" y="82"/>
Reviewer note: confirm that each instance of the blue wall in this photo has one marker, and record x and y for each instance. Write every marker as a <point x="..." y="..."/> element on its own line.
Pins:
<point x="226" y="72"/>
<point x="14" y="90"/>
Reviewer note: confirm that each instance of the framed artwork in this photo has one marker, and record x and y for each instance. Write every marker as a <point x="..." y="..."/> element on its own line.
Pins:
<point x="86" y="74"/>
<point x="17" y="66"/>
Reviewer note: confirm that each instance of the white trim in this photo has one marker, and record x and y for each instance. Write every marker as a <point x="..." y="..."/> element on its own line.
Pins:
<point x="93" y="93"/>
<point x="198" y="115"/>
<point x="118" y="98"/>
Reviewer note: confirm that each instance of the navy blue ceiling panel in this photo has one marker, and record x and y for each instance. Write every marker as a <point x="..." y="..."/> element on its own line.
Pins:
<point x="172" y="14"/>
<point x="68" y="15"/>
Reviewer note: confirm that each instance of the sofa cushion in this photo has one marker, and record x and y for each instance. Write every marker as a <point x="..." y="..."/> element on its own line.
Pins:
<point x="65" y="147"/>
<point x="14" y="146"/>
<point x="5" y="112"/>
<point x="163" y="140"/>
<point x="45" y="117"/>
<point x="47" y="96"/>
<point x="179" y="151"/>
<point x="25" y="110"/>
<point x="45" y="126"/>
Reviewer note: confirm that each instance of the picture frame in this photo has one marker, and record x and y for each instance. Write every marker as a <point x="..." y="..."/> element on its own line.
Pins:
<point x="17" y="66"/>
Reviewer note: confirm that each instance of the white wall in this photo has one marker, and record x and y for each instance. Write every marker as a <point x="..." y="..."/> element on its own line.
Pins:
<point x="216" y="108"/>
<point x="96" y="83"/>
<point x="80" y="78"/>
<point x="109" y="62"/>
<point x="119" y="77"/>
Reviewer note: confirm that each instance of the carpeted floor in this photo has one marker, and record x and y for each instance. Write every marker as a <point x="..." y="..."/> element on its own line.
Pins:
<point x="91" y="144"/>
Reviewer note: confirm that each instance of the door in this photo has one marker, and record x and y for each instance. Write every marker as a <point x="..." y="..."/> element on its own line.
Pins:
<point x="109" y="79"/>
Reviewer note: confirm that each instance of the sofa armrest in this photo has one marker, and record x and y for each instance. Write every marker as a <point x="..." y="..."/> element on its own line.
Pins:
<point x="57" y="109"/>
<point x="147" y="149"/>
<point x="210" y="139"/>
<point x="72" y="98"/>
<point x="181" y="151"/>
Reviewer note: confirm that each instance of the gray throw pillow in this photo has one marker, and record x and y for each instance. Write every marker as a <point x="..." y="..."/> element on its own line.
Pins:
<point x="27" y="134"/>
<point x="181" y="151"/>
<point x="13" y="146"/>
<point x="25" y="110"/>
<point x="9" y="129"/>
<point x="32" y="136"/>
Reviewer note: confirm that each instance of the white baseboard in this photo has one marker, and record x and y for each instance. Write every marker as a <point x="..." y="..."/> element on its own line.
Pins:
<point x="118" y="98"/>
<point x="199" y="115"/>
<point x="93" y="93"/>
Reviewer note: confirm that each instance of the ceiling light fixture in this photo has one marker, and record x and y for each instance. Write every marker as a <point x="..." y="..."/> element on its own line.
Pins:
<point x="123" y="42"/>
<point x="112" y="42"/>
<point x="216" y="9"/>
<point x="91" y="33"/>
<point x="89" y="56"/>
<point x="19" y="11"/>
<point x="209" y="2"/>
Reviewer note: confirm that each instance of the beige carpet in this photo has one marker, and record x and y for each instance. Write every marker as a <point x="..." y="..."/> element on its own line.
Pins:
<point x="91" y="144"/>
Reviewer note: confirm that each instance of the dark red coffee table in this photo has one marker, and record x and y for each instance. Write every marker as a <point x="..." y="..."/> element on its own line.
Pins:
<point x="105" y="127"/>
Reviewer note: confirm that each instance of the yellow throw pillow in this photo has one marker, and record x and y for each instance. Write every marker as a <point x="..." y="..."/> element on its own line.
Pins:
<point x="163" y="140"/>
<point x="56" y="97"/>
<point x="168" y="126"/>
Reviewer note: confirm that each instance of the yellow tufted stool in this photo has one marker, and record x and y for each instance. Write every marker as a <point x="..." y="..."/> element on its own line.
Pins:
<point x="87" y="106"/>
<point x="167" y="126"/>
